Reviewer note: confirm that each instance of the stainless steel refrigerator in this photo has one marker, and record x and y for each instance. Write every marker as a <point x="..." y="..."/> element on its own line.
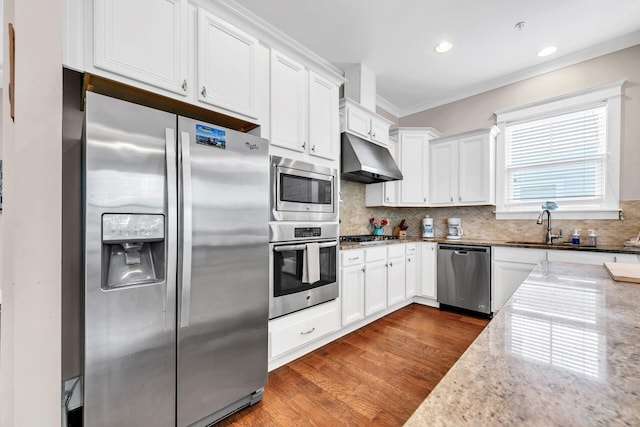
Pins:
<point x="176" y="267"/>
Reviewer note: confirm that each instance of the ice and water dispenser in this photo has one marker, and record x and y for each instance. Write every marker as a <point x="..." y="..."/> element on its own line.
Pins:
<point x="133" y="250"/>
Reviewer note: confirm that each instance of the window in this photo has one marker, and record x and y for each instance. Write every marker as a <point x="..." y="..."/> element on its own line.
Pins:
<point x="565" y="150"/>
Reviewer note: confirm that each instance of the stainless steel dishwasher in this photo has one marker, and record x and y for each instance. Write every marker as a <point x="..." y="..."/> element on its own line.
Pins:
<point x="464" y="277"/>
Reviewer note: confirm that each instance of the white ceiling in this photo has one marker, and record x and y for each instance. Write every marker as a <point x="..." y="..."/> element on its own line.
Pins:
<point x="395" y="39"/>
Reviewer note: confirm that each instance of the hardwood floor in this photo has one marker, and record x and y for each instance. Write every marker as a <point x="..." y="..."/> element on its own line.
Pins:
<point x="377" y="375"/>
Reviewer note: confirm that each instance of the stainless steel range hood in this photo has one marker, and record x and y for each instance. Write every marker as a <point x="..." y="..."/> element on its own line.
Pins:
<point x="363" y="161"/>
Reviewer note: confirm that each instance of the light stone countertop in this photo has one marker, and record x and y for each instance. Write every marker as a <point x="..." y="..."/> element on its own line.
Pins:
<point x="563" y="351"/>
<point x="484" y="242"/>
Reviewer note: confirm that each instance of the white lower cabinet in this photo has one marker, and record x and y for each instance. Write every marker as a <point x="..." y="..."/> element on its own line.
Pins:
<point x="352" y="285"/>
<point x="375" y="280"/>
<point x="297" y="329"/>
<point x="510" y="266"/>
<point x="395" y="274"/>
<point x="596" y="258"/>
<point x="428" y="269"/>
<point x="412" y="273"/>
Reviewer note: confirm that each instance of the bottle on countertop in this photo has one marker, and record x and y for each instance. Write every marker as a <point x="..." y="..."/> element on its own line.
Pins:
<point x="575" y="239"/>
<point x="592" y="239"/>
<point x="427" y="228"/>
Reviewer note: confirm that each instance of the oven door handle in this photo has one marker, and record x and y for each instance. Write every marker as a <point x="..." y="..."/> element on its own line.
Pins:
<point x="302" y="247"/>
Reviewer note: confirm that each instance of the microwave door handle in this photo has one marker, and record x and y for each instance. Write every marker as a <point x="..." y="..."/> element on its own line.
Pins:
<point x="187" y="233"/>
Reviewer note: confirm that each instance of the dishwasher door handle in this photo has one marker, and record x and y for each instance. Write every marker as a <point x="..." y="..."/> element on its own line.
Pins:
<point x="461" y="252"/>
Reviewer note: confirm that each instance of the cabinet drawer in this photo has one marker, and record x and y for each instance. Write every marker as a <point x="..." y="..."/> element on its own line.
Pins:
<point x="396" y="250"/>
<point x="411" y="248"/>
<point x="375" y="254"/>
<point x="351" y="257"/>
<point x="522" y="255"/>
<point x="308" y="325"/>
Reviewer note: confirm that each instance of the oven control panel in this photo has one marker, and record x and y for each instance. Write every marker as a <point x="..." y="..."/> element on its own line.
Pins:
<point x="307" y="232"/>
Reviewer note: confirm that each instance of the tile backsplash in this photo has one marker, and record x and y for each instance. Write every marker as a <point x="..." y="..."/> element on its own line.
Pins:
<point x="478" y="222"/>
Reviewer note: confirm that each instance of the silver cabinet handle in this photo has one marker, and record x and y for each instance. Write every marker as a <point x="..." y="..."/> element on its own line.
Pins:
<point x="184" y="85"/>
<point x="304" y="145"/>
<point x="408" y="259"/>
<point x="308" y="332"/>
<point x="354" y="258"/>
<point x="425" y="199"/>
<point x="390" y="264"/>
<point x="172" y="224"/>
<point x="313" y="148"/>
<point x="451" y="199"/>
<point x="432" y="248"/>
<point x="187" y="231"/>
<point x="204" y="91"/>
<point x="363" y="270"/>
<point x="387" y="198"/>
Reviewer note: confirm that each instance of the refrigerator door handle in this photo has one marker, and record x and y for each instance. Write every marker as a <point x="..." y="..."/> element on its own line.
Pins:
<point x="172" y="224"/>
<point x="187" y="210"/>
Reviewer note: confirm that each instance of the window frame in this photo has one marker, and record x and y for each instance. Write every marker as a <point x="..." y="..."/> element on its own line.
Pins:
<point x="611" y="95"/>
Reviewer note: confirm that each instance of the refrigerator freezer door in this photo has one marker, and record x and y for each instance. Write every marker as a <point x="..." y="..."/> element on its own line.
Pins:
<point x="222" y="334"/>
<point x="130" y="331"/>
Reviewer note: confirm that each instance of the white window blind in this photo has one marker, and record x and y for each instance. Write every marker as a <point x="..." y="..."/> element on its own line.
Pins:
<point x="560" y="158"/>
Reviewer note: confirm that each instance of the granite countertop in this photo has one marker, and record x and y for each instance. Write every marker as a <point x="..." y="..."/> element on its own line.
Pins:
<point x="485" y="242"/>
<point x="564" y="350"/>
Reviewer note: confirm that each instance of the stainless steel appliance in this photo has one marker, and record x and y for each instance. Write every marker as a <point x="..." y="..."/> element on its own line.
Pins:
<point x="364" y="161"/>
<point x="302" y="191"/>
<point x="176" y="267"/>
<point x="367" y="239"/>
<point x="464" y="277"/>
<point x="288" y="289"/>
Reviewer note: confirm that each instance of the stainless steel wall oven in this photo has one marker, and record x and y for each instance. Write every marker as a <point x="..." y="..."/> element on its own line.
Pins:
<point x="303" y="235"/>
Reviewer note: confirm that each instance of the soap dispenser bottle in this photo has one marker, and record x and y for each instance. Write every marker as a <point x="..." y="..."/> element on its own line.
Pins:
<point x="575" y="239"/>
<point x="592" y="238"/>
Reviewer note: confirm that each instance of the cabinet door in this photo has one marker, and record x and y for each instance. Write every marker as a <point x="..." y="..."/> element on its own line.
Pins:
<point x="395" y="280"/>
<point x="413" y="152"/>
<point x="507" y="278"/>
<point x="323" y="117"/>
<point x="474" y="170"/>
<point x="375" y="287"/>
<point x="428" y="270"/>
<point x="358" y="123"/>
<point x="288" y="102"/>
<point x="227" y="65"/>
<point x="443" y="173"/>
<point x="352" y="295"/>
<point x="379" y="132"/>
<point x="152" y="51"/>
<point x="411" y="276"/>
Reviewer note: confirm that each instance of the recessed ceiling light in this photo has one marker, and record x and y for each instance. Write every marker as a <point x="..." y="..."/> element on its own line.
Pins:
<point x="443" y="46"/>
<point x="547" y="51"/>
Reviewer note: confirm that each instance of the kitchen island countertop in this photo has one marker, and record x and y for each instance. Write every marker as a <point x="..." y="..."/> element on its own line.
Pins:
<point x="565" y="350"/>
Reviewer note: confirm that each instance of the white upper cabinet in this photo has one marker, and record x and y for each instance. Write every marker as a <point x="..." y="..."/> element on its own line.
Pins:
<point x="324" y="134"/>
<point x="384" y="193"/>
<point x="227" y="65"/>
<point x="462" y="169"/>
<point x="364" y="123"/>
<point x="413" y="149"/>
<point x="304" y="109"/>
<point x="152" y="51"/>
<point x="288" y="102"/>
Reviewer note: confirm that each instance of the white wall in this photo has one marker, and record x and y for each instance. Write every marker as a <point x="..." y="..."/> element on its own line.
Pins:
<point x="30" y="344"/>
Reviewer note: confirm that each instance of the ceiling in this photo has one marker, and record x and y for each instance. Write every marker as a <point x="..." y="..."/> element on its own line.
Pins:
<point x="396" y="40"/>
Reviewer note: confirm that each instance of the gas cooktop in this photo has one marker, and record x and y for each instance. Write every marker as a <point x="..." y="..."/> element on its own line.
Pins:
<point x="365" y="239"/>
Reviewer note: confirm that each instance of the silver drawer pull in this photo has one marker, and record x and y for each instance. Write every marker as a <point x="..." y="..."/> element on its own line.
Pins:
<point x="308" y="332"/>
<point x="354" y="259"/>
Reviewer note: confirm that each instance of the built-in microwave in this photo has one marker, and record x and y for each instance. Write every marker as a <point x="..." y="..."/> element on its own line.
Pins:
<point x="302" y="191"/>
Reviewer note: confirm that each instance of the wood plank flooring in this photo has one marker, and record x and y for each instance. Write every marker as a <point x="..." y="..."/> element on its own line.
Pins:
<point x="377" y="375"/>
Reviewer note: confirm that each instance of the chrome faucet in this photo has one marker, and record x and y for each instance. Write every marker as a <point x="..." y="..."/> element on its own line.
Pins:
<point x="550" y="236"/>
